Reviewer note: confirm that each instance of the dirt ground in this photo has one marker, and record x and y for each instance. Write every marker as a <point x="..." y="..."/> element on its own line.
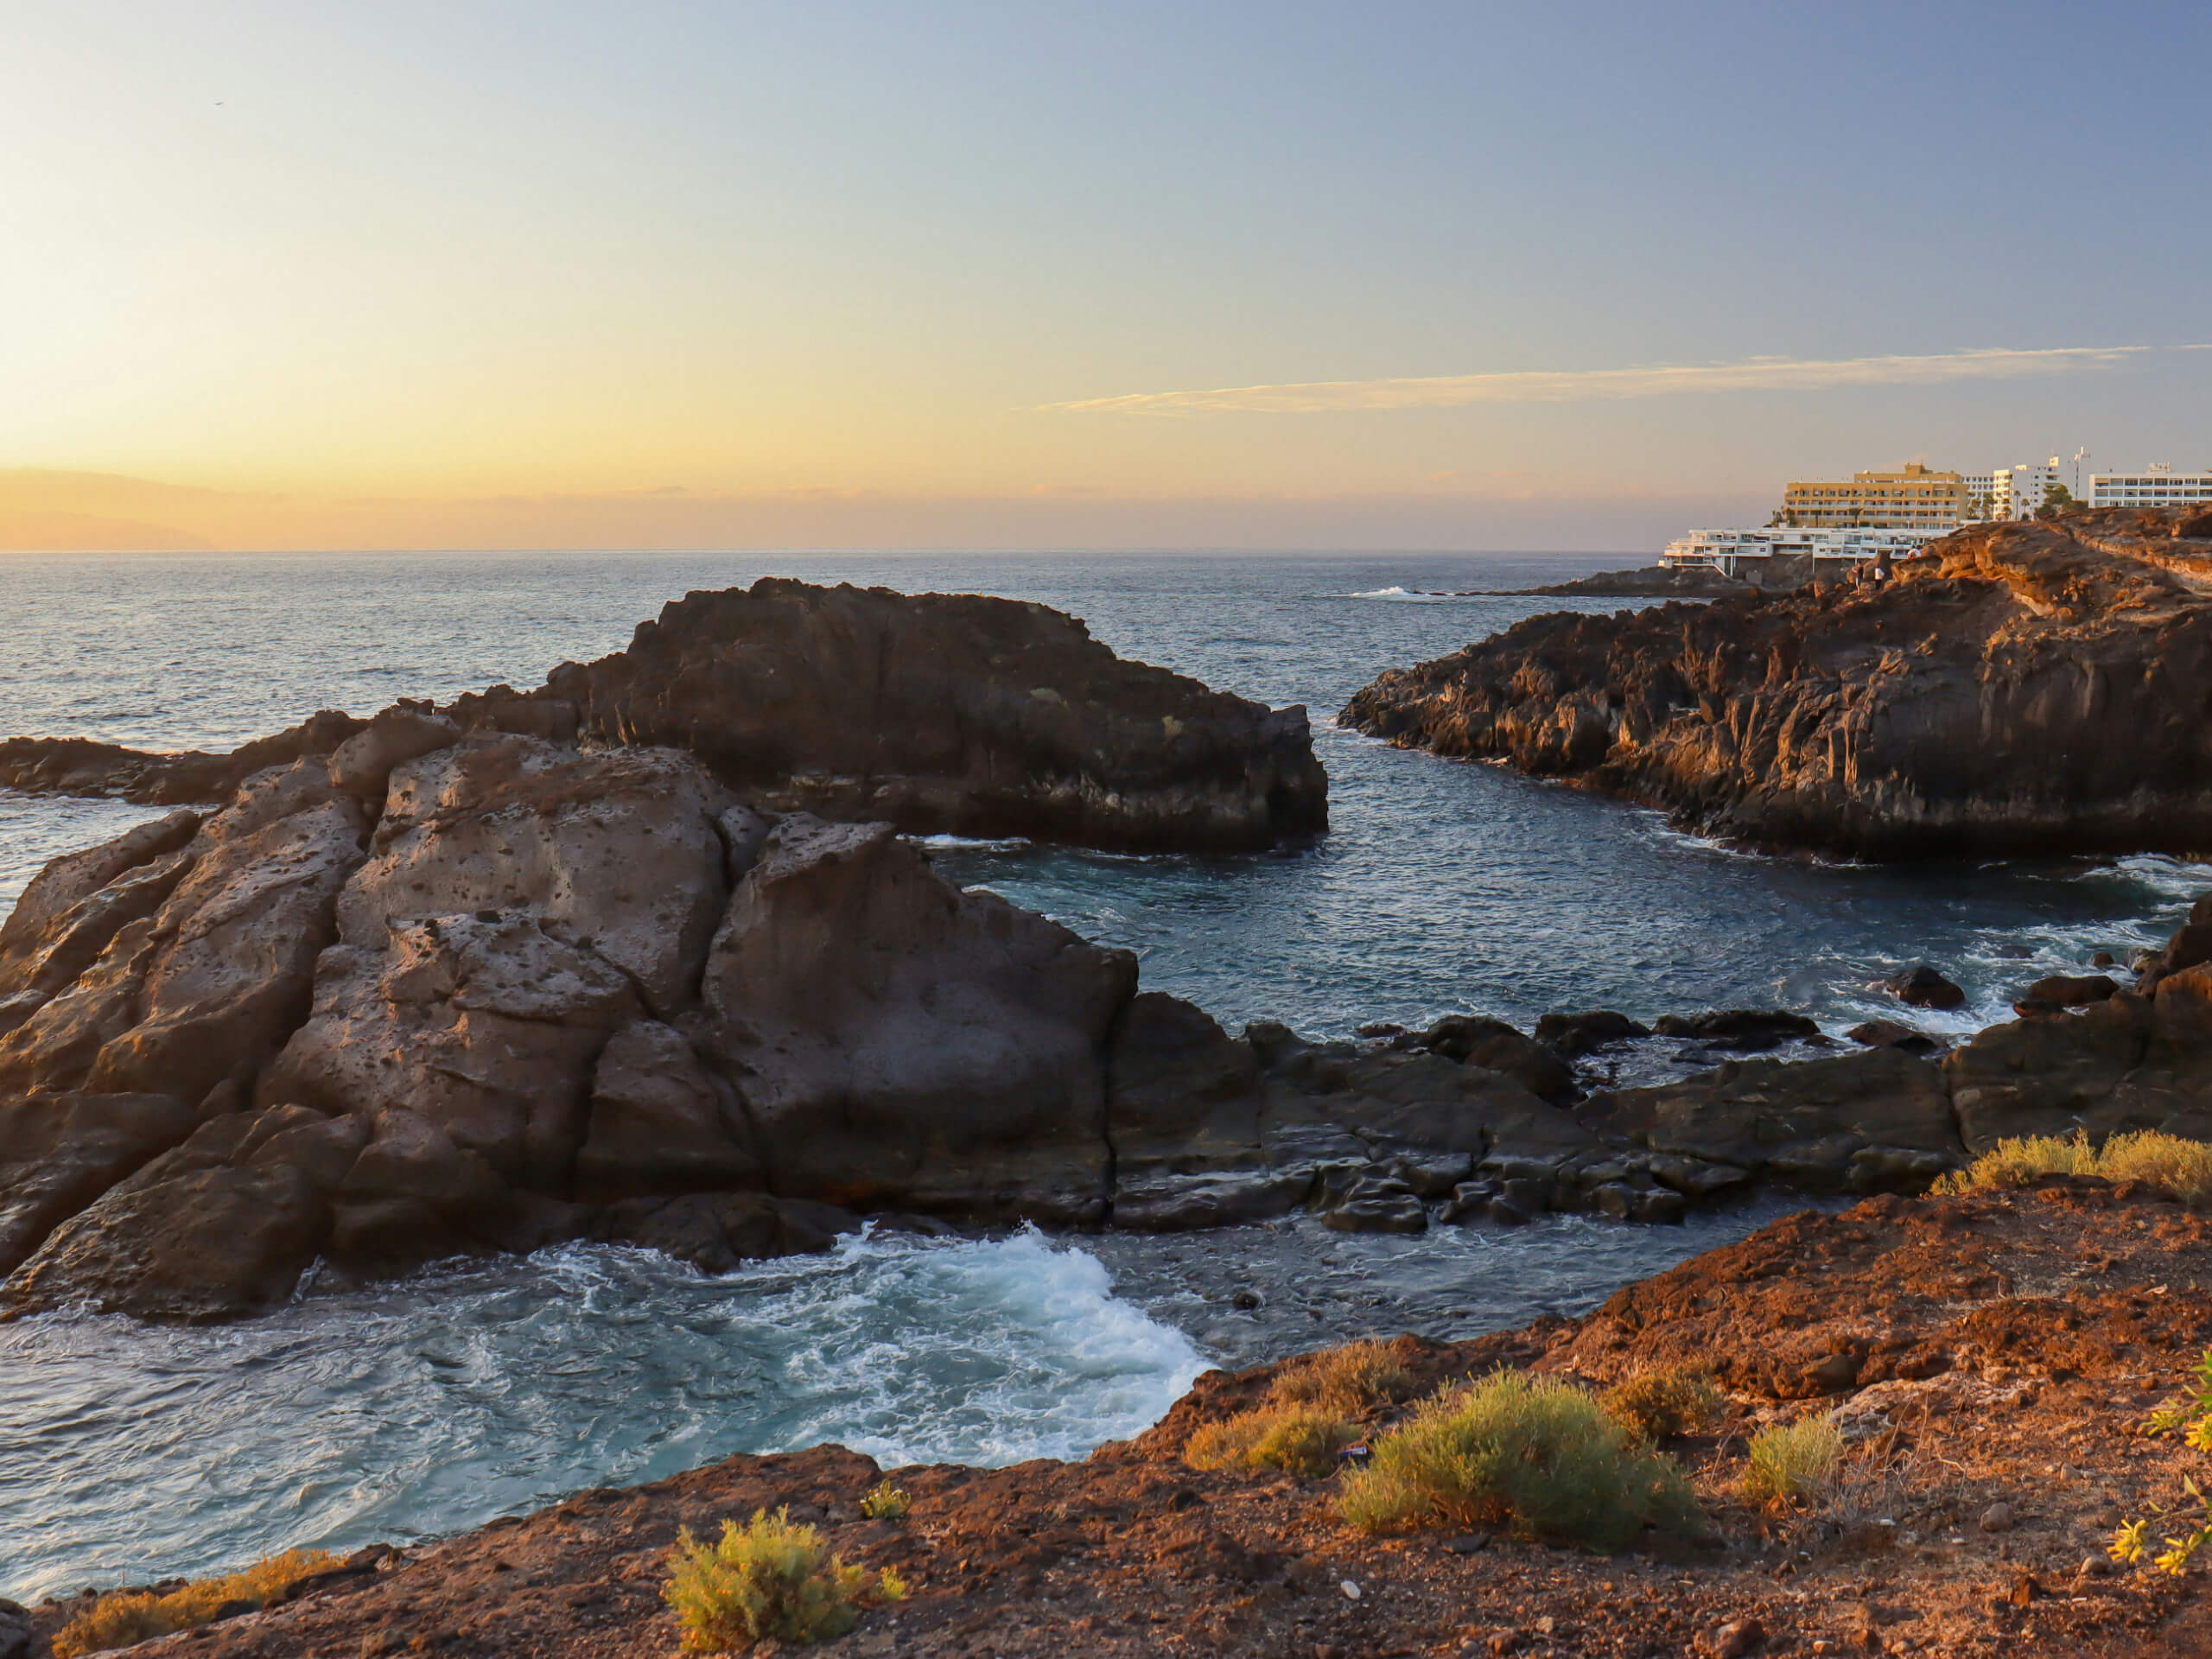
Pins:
<point x="1992" y="1358"/>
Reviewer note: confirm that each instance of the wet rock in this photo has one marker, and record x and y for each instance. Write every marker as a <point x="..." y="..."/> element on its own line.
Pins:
<point x="1968" y="708"/>
<point x="1498" y="1046"/>
<point x="1182" y="1095"/>
<point x="14" y="1631"/>
<point x="2058" y="992"/>
<point x="74" y="766"/>
<point x="660" y="1122"/>
<point x="208" y="1244"/>
<point x="716" y="1231"/>
<point x="1696" y="1177"/>
<point x="1376" y="1205"/>
<point x="1890" y="1034"/>
<point x="1748" y="1030"/>
<point x="1924" y="987"/>
<point x="951" y="713"/>
<point x="1798" y="1123"/>
<point x="1574" y="1034"/>
<point x="1168" y="1203"/>
<point x="58" y="1152"/>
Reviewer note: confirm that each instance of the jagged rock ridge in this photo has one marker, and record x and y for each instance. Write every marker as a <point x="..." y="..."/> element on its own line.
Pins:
<point x="2025" y="689"/>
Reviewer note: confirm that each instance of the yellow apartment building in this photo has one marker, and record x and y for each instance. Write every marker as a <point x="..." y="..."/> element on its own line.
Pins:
<point x="1915" y="499"/>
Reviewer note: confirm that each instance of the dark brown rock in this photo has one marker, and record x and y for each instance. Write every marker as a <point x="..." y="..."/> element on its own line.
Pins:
<point x="1821" y="1125"/>
<point x="899" y="1043"/>
<point x="1924" y="987"/>
<point x="1750" y="1031"/>
<point x="954" y="713"/>
<point x="2056" y="991"/>
<point x="2023" y="688"/>
<point x="1498" y="1047"/>
<point x="58" y="1152"/>
<point x="74" y="765"/>
<point x="1575" y="1034"/>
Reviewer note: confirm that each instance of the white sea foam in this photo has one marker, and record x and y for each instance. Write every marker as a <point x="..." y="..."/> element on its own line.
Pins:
<point x="435" y="1404"/>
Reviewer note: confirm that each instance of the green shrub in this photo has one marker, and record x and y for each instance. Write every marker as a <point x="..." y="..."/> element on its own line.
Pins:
<point x="1299" y="1439"/>
<point x="884" y="1502"/>
<point x="772" y="1578"/>
<point x="1535" y="1456"/>
<point x="1660" y="1402"/>
<point x="2182" y="1167"/>
<point x="1348" y="1380"/>
<point x="129" y="1617"/>
<point x="1794" y="1461"/>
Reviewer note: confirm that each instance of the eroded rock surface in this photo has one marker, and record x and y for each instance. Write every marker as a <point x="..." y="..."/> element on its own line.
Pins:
<point x="2024" y="688"/>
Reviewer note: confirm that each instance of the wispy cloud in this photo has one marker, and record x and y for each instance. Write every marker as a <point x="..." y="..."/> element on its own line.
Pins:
<point x="1571" y="385"/>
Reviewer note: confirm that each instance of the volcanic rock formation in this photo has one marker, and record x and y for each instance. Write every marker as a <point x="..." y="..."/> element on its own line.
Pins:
<point x="935" y="713"/>
<point x="445" y="990"/>
<point x="2023" y="688"/>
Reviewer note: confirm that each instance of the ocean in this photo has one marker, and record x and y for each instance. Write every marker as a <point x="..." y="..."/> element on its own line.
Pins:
<point x="415" y="1408"/>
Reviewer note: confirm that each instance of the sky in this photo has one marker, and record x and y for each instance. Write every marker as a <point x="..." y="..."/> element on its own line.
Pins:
<point x="1388" y="275"/>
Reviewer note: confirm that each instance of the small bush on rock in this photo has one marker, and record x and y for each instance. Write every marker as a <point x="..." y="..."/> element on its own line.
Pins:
<point x="1794" y="1461"/>
<point x="2182" y="1167"/>
<point x="884" y="1502"/>
<point x="1350" y="1380"/>
<point x="1535" y="1456"/>
<point x="1298" y="1439"/>
<point x="770" y="1579"/>
<point x="130" y="1616"/>
<point x="1660" y="1402"/>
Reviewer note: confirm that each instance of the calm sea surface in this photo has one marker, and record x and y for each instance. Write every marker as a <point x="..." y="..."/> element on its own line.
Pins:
<point x="420" y="1407"/>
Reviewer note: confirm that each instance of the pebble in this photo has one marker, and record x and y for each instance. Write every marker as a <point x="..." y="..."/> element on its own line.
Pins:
<point x="1997" y="1517"/>
<point x="1351" y="1590"/>
<point x="1467" y="1543"/>
<point x="1738" y="1637"/>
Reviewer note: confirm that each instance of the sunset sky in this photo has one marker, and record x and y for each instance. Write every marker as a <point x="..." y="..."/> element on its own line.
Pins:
<point x="1389" y="275"/>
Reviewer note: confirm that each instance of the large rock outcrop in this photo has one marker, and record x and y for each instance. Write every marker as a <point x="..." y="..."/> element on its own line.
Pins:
<point x="2023" y="688"/>
<point x="457" y="988"/>
<point x="935" y="713"/>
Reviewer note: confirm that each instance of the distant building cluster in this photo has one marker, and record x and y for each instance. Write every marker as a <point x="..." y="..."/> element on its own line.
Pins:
<point x="1876" y="516"/>
<point x="1920" y="498"/>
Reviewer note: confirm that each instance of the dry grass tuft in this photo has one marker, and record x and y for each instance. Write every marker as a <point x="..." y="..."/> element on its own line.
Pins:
<point x="770" y="1579"/>
<point x="130" y="1616"/>
<point x="1349" y="1381"/>
<point x="1795" y="1462"/>
<point x="1297" y="1439"/>
<point x="2182" y="1167"/>
<point x="1658" y="1402"/>
<point x="1309" y="1413"/>
<point x="1533" y="1455"/>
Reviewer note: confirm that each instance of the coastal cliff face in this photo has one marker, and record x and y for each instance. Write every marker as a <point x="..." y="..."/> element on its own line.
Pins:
<point x="950" y="714"/>
<point x="2024" y="689"/>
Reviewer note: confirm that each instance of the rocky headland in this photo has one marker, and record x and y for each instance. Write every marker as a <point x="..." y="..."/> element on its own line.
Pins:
<point x="2021" y="688"/>
<point x="939" y="714"/>
<point x="1988" y="1360"/>
<point x="443" y="991"/>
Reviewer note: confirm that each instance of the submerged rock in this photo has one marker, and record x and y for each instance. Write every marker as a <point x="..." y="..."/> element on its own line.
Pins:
<point x="2023" y="688"/>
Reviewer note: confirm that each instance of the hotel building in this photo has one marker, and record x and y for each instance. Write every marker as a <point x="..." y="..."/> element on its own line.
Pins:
<point x="2156" y="486"/>
<point x="1915" y="499"/>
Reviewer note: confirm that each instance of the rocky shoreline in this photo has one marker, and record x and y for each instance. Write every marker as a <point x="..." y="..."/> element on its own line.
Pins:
<point x="2021" y="689"/>
<point x="1989" y="1359"/>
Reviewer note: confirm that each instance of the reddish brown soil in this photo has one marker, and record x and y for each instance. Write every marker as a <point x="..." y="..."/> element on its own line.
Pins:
<point x="1984" y="1351"/>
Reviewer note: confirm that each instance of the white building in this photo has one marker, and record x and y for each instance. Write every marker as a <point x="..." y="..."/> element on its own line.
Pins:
<point x="2017" y="491"/>
<point x="2156" y="486"/>
<point x="1980" y="489"/>
<point x="1742" y="552"/>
